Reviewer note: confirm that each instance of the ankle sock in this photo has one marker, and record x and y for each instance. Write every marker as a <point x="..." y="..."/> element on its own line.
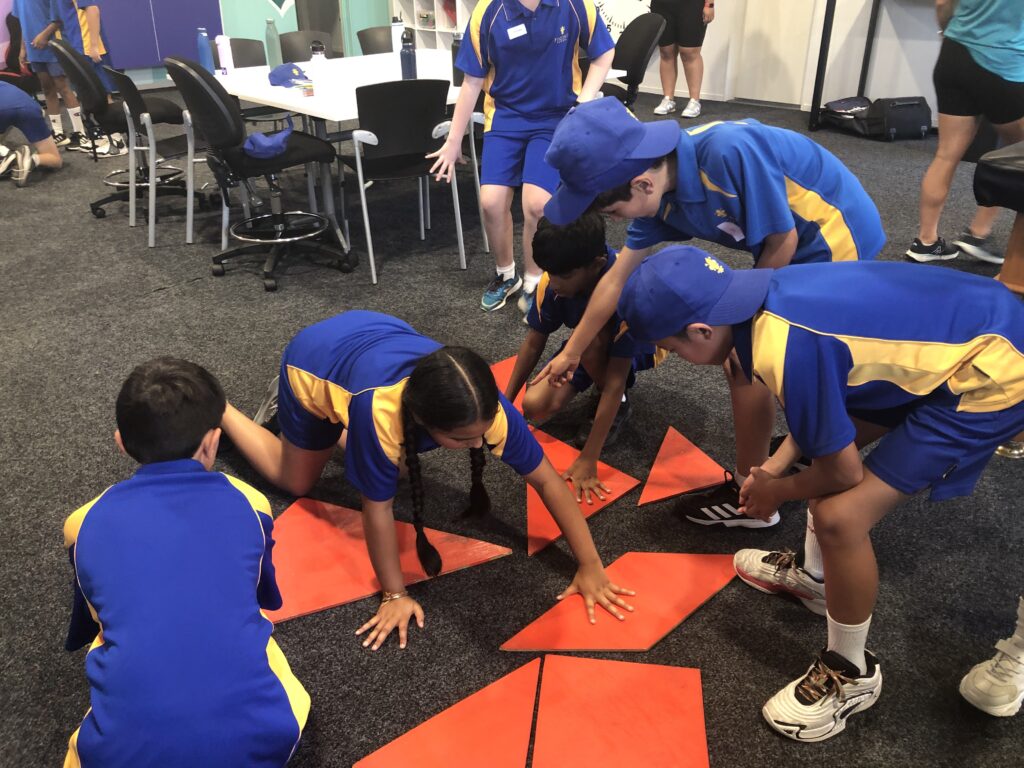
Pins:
<point x="812" y="552"/>
<point x="507" y="273"/>
<point x="56" y="124"/>
<point x="848" y="640"/>
<point x="530" y="282"/>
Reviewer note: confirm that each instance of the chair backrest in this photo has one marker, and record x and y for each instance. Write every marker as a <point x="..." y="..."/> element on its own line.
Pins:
<point x="404" y="131"/>
<point x="214" y="113"/>
<point x="375" y="40"/>
<point x="295" y="45"/>
<point x="636" y="45"/>
<point x="87" y="84"/>
<point x="130" y="94"/>
<point x="12" y="55"/>
<point x="244" y="53"/>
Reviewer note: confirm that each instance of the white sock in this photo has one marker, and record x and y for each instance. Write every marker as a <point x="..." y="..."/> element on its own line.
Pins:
<point x="4" y="151"/>
<point x="75" y="113"/>
<point x="507" y="273"/>
<point x="812" y="552"/>
<point x="530" y="282"/>
<point x="56" y="124"/>
<point x="848" y="640"/>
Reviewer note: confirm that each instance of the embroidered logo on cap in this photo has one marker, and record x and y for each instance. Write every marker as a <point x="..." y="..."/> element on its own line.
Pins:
<point x="713" y="265"/>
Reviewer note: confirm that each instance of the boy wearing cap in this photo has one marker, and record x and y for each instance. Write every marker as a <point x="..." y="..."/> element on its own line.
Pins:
<point x="853" y="358"/>
<point x="525" y="57"/>
<point x="768" y="191"/>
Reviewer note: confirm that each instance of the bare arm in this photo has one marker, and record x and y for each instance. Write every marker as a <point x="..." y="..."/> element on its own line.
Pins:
<point x="596" y="75"/>
<point x="944" y="10"/>
<point x="450" y="152"/>
<point x="778" y="250"/>
<point x="762" y="493"/>
<point x="92" y="16"/>
<point x="40" y="40"/>
<point x="526" y="360"/>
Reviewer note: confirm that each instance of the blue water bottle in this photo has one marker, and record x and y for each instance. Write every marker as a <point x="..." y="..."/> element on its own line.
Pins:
<point x="204" y="50"/>
<point x="408" y="56"/>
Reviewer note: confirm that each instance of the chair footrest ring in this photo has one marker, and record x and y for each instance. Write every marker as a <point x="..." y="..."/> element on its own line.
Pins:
<point x="164" y="174"/>
<point x="288" y="227"/>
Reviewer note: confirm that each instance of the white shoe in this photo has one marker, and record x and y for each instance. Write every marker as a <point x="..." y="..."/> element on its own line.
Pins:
<point x="817" y="706"/>
<point x="778" y="572"/>
<point x="667" y="105"/>
<point x="996" y="686"/>
<point x="7" y="159"/>
<point x="692" y="108"/>
<point x="268" y="407"/>
<point x="23" y="165"/>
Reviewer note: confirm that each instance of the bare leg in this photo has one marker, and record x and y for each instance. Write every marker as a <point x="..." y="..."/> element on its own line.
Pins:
<point x="50" y="92"/>
<point x="955" y="136"/>
<point x="693" y="70"/>
<point x="534" y="198"/>
<point x="70" y="100"/>
<point x="47" y="154"/>
<point x="669" y="70"/>
<point x="497" y="204"/>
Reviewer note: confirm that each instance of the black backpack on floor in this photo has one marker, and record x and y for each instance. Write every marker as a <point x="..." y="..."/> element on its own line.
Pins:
<point x="908" y="117"/>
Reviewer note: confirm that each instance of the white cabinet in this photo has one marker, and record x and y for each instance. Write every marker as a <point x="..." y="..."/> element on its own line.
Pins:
<point x="434" y="22"/>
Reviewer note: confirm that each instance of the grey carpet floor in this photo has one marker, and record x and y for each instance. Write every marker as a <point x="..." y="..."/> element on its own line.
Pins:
<point x="84" y="300"/>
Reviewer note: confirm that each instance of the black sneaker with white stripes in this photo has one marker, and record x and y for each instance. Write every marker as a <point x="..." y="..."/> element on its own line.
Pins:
<point x="720" y="506"/>
<point x="937" y="251"/>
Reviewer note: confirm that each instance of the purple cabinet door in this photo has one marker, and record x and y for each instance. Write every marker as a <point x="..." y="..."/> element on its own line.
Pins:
<point x="140" y="33"/>
<point x="176" y="22"/>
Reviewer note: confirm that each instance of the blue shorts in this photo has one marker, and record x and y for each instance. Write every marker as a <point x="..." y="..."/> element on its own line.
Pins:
<point x="581" y="380"/>
<point x="102" y="73"/>
<point x="21" y="111"/>
<point x="939" y="447"/>
<point x="513" y="159"/>
<point x="300" y="427"/>
<point x="52" y="67"/>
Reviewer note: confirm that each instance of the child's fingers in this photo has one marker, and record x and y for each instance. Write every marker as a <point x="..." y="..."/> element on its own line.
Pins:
<point x="572" y="589"/>
<point x="418" y="612"/>
<point x="620" y="590"/>
<point x="367" y="625"/>
<point x="403" y="634"/>
<point x="590" y="610"/>
<point x="607" y="605"/>
<point x="603" y="487"/>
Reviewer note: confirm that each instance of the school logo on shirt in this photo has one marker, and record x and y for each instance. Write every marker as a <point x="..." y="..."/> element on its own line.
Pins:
<point x="720" y="213"/>
<point x="713" y="265"/>
<point x="562" y="37"/>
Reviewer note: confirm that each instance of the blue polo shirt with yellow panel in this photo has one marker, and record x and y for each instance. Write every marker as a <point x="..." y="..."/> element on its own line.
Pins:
<point x="173" y="570"/>
<point x="934" y="354"/>
<point x="739" y="182"/>
<point x="349" y="372"/>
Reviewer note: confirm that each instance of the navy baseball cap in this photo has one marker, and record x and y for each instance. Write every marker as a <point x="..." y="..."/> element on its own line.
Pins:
<point x="287" y="75"/>
<point x="683" y="285"/>
<point x="598" y="146"/>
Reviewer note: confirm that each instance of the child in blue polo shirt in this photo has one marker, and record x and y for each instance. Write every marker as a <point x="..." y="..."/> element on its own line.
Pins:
<point x="751" y="187"/>
<point x="525" y="56"/>
<point x="856" y="353"/>
<point x="172" y="570"/>
<point x="574" y="259"/>
<point x="386" y="393"/>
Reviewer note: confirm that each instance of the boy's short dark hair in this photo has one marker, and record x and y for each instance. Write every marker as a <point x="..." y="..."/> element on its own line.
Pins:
<point x="560" y="250"/>
<point x="165" y="407"/>
<point x="622" y="192"/>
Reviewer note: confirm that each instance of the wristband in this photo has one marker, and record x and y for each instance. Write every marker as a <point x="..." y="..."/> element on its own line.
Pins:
<point x="387" y="597"/>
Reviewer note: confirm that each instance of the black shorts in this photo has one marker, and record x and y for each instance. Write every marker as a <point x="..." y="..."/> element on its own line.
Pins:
<point x="684" y="22"/>
<point x="967" y="89"/>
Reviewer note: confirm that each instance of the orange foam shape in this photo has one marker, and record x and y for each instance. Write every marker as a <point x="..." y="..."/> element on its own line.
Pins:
<point x="680" y="467"/>
<point x="669" y="587"/>
<point x="656" y="715"/>
<point x="491" y="728"/>
<point x="321" y="560"/>
<point x="502" y="373"/>
<point x="541" y="528"/>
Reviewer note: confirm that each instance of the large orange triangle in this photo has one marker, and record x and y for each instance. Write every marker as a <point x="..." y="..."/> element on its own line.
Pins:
<point x="669" y="587"/>
<point x="490" y="728"/>
<point x="502" y="373"/>
<point x="541" y="528"/>
<point x="680" y="467"/>
<point x="656" y="714"/>
<point x="321" y="560"/>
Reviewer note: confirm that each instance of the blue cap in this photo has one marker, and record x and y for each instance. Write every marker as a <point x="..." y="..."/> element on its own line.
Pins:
<point x="287" y="75"/>
<point x="598" y="146"/>
<point x="683" y="285"/>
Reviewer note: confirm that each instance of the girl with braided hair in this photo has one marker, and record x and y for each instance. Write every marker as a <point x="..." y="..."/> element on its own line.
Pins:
<point x="388" y="393"/>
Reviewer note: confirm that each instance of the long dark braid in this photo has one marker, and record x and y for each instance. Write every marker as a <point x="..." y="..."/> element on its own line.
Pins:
<point x="479" y="499"/>
<point x="429" y="557"/>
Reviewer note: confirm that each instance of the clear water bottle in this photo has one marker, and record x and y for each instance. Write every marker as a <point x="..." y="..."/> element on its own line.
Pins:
<point x="226" y="60"/>
<point x="204" y="51"/>
<point x="397" y="31"/>
<point x="273" y="45"/>
<point x="457" y="74"/>
<point x="408" y="56"/>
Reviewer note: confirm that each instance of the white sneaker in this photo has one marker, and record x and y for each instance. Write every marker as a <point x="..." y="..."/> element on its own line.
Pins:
<point x="778" y="572"/>
<point x="7" y="159"/>
<point x="996" y="686"/>
<point x="268" y="407"/>
<point x="667" y="105"/>
<point x="817" y="706"/>
<point x="23" y="165"/>
<point x="692" y="108"/>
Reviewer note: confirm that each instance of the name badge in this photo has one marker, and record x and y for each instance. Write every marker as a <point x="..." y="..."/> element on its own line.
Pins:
<point x="517" y="31"/>
<point x="732" y="230"/>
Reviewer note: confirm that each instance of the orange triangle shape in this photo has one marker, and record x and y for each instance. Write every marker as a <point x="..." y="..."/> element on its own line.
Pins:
<point x="491" y="727"/>
<point x="669" y="587"/>
<point x="502" y="373"/>
<point x="659" y="709"/>
<point x="541" y="528"/>
<point x="679" y="467"/>
<point x="321" y="560"/>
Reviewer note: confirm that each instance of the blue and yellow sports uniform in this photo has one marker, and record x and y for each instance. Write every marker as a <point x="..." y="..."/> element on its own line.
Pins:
<point x="529" y="61"/>
<point x="936" y="355"/>
<point x="739" y="182"/>
<point x="549" y="312"/>
<point x="172" y="569"/>
<point x="349" y="372"/>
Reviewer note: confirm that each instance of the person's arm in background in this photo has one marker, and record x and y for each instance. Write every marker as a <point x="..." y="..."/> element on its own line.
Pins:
<point x="526" y="360"/>
<point x="39" y="41"/>
<point x="944" y="10"/>
<point x="595" y="76"/>
<point x="92" y="17"/>
<point x="450" y="152"/>
<point x="777" y="250"/>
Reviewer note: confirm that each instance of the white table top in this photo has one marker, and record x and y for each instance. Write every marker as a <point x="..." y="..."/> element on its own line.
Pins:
<point x="335" y="82"/>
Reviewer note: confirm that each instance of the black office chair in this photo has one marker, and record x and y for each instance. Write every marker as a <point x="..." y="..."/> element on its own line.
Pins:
<point x="295" y="45"/>
<point x="375" y="40"/>
<point x="278" y="234"/>
<point x="392" y="145"/>
<point x="633" y="52"/>
<point x="104" y="118"/>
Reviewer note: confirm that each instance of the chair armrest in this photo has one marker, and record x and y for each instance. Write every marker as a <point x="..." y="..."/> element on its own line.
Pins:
<point x="441" y="129"/>
<point x="365" y="137"/>
<point x="479" y="118"/>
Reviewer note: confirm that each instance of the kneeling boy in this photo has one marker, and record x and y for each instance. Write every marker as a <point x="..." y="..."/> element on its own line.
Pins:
<point x="574" y="259"/>
<point x="172" y="569"/>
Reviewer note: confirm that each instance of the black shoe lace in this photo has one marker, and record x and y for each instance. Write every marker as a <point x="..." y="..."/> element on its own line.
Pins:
<point x="781" y="560"/>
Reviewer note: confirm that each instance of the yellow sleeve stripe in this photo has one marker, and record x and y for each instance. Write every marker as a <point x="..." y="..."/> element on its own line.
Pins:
<point x="74" y="522"/>
<point x="497" y="433"/>
<point x="810" y="206"/>
<point x="591" y="10"/>
<point x="542" y="290"/>
<point x="387" y="420"/>
<point x="712" y="186"/>
<point x="256" y="499"/>
<point x="475" y="23"/>
<point x="298" y="698"/>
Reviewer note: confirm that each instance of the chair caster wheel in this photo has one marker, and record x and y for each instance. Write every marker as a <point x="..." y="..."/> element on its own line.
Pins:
<point x="217" y="270"/>
<point x="344" y="265"/>
<point x="269" y="284"/>
<point x="99" y="213"/>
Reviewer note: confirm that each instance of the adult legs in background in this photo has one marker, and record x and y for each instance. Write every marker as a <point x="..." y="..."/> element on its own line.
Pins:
<point x="955" y="135"/>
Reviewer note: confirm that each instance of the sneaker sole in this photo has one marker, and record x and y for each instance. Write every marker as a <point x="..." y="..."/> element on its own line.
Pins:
<point x="979" y="254"/>
<point x="740" y="522"/>
<point x="1003" y="710"/>
<point x="924" y="258"/>
<point x="666" y="112"/>
<point x="812" y="604"/>
<point x="838" y="725"/>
